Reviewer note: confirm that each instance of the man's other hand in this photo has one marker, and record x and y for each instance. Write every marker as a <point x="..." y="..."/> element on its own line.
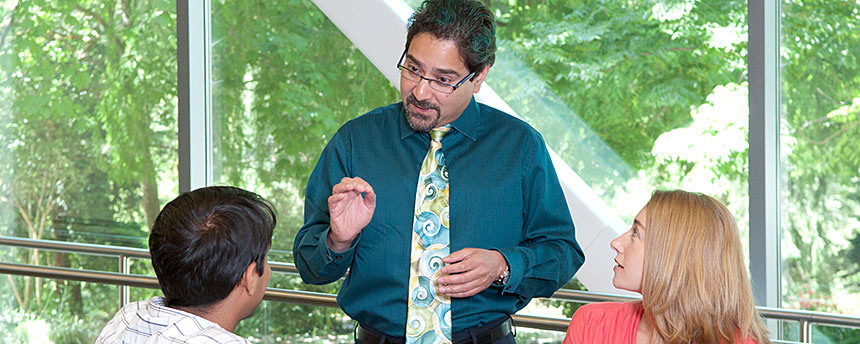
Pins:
<point x="471" y="271"/>
<point x="349" y="211"/>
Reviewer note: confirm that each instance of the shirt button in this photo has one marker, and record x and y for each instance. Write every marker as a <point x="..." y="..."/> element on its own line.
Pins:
<point x="338" y="257"/>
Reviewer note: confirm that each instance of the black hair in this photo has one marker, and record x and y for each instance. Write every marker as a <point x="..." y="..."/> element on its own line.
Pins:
<point x="203" y="241"/>
<point x="467" y="22"/>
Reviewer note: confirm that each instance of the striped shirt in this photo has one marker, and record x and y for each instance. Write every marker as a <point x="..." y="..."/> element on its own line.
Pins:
<point x="151" y="322"/>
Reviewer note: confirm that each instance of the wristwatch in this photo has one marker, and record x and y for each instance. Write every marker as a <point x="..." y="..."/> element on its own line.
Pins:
<point x="504" y="277"/>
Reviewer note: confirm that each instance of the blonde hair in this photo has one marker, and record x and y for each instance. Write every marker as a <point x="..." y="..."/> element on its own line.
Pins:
<point x="695" y="287"/>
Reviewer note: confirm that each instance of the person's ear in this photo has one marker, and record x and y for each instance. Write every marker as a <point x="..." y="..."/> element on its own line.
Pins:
<point x="479" y="78"/>
<point x="250" y="279"/>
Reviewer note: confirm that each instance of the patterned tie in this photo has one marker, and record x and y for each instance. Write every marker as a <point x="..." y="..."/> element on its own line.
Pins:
<point x="428" y="318"/>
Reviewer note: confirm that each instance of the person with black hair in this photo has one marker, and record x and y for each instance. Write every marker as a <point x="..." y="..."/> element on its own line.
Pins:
<point x="208" y="249"/>
<point x="438" y="264"/>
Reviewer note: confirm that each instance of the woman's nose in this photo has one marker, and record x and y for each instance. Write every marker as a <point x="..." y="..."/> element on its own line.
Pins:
<point x="614" y="244"/>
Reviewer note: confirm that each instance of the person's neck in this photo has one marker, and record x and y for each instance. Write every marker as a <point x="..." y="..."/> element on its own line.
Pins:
<point x="216" y="313"/>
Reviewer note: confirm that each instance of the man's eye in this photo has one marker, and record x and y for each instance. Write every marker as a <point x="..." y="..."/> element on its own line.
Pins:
<point x="413" y="69"/>
<point x="445" y="80"/>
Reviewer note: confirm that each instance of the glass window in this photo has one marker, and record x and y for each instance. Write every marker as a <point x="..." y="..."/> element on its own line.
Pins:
<point x="285" y="79"/>
<point x="820" y="159"/>
<point x="634" y="96"/>
<point x="89" y="134"/>
<point x="87" y="147"/>
<point x="69" y="312"/>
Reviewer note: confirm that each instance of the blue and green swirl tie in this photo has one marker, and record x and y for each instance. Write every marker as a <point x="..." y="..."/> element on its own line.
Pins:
<point x="428" y="318"/>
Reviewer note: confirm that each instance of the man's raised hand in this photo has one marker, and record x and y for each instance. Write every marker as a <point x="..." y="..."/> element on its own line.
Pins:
<point x="349" y="211"/>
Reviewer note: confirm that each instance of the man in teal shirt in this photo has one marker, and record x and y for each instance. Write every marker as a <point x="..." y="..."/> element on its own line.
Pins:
<point x="511" y="234"/>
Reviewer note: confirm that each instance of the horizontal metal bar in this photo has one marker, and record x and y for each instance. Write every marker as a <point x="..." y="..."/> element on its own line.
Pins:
<point x="101" y="277"/>
<point x="304" y="298"/>
<point x="301" y="297"/>
<point x="810" y="317"/>
<point x="105" y="250"/>
<point x="541" y="323"/>
<point x="283" y="267"/>
<point x="80" y="275"/>
<point x="74" y="247"/>
<point x="272" y="294"/>
<point x="590" y="296"/>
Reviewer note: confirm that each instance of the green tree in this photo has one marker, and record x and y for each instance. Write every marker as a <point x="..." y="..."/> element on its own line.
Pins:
<point x="90" y="130"/>
<point x="89" y="127"/>
<point x="637" y="72"/>
<point x="285" y="79"/>
<point x="820" y="115"/>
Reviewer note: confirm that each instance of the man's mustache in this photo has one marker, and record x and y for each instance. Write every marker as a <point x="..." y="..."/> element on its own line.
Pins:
<point x="421" y="103"/>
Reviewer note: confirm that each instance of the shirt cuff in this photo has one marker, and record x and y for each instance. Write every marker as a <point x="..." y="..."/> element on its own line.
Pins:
<point x="336" y="258"/>
<point x="517" y="264"/>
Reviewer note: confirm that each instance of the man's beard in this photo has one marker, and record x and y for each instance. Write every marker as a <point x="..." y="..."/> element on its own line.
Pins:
<point x="420" y="122"/>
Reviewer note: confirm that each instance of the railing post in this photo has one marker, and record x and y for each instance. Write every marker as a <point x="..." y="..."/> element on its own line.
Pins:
<point x="805" y="331"/>
<point x="124" y="268"/>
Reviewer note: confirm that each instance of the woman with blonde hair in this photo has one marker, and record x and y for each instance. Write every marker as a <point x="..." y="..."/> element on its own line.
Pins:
<point x="683" y="254"/>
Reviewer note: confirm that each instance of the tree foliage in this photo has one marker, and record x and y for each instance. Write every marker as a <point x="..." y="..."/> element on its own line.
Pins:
<point x="285" y="79"/>
<point x="645" y="90"/>
<point x="640" y="72"/>
<point x="88" y="126"/>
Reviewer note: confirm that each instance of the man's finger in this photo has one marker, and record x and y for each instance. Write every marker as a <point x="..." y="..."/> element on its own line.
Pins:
<point x="335" y="198"/>
<point x="460" y="287"/>
<point x="468" y="292"/>
<point x="459" y="255"/>
<point x="370" y="196"/>
<point x="349" y="187"/>
<point x="458" y="278"/>
<point x="458" y="267"/>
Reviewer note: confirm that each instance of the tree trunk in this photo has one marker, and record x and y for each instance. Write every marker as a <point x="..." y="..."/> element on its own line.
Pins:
<point x="149" y="184"/>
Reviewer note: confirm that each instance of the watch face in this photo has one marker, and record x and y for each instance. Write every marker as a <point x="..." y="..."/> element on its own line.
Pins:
<point x="503" y="278"/>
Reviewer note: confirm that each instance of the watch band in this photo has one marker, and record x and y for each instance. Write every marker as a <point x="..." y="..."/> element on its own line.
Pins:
<point x="504" y="277"/>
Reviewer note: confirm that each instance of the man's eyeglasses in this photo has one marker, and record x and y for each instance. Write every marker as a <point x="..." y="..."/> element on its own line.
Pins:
<point x="411" y="73"/>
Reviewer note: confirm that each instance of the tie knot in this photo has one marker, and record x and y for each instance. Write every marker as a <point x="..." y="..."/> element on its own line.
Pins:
<point x="437" y="133"/>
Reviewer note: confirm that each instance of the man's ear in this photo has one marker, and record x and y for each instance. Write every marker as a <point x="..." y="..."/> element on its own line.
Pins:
<point x="479" y="78"/>
<point x="250" y="279"/>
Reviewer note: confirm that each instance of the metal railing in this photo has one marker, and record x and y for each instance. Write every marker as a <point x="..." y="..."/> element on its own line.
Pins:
<point x="805" y="319"/>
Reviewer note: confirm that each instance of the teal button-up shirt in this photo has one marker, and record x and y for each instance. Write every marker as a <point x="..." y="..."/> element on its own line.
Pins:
<point x="505" y="195"/>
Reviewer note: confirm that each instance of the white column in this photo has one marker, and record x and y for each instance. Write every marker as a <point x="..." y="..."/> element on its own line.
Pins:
<point x="195" y="94"/>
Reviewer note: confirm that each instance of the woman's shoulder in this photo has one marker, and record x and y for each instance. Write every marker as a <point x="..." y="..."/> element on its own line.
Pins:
<point x="613" y="322"/>
<point x="609" y="309"/>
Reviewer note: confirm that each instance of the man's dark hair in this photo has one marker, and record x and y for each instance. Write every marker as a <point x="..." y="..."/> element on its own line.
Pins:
<point x="467" y="22"/>
<point x="203" y="241"/>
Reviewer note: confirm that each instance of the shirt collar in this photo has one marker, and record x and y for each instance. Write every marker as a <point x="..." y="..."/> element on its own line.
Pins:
<point x="468" y="123"/>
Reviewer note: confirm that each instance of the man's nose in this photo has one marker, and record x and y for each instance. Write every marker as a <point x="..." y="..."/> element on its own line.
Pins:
<point x="422" y="90"/>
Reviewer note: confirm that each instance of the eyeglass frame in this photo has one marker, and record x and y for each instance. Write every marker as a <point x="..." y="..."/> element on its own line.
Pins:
<point x="401" y="67"/>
